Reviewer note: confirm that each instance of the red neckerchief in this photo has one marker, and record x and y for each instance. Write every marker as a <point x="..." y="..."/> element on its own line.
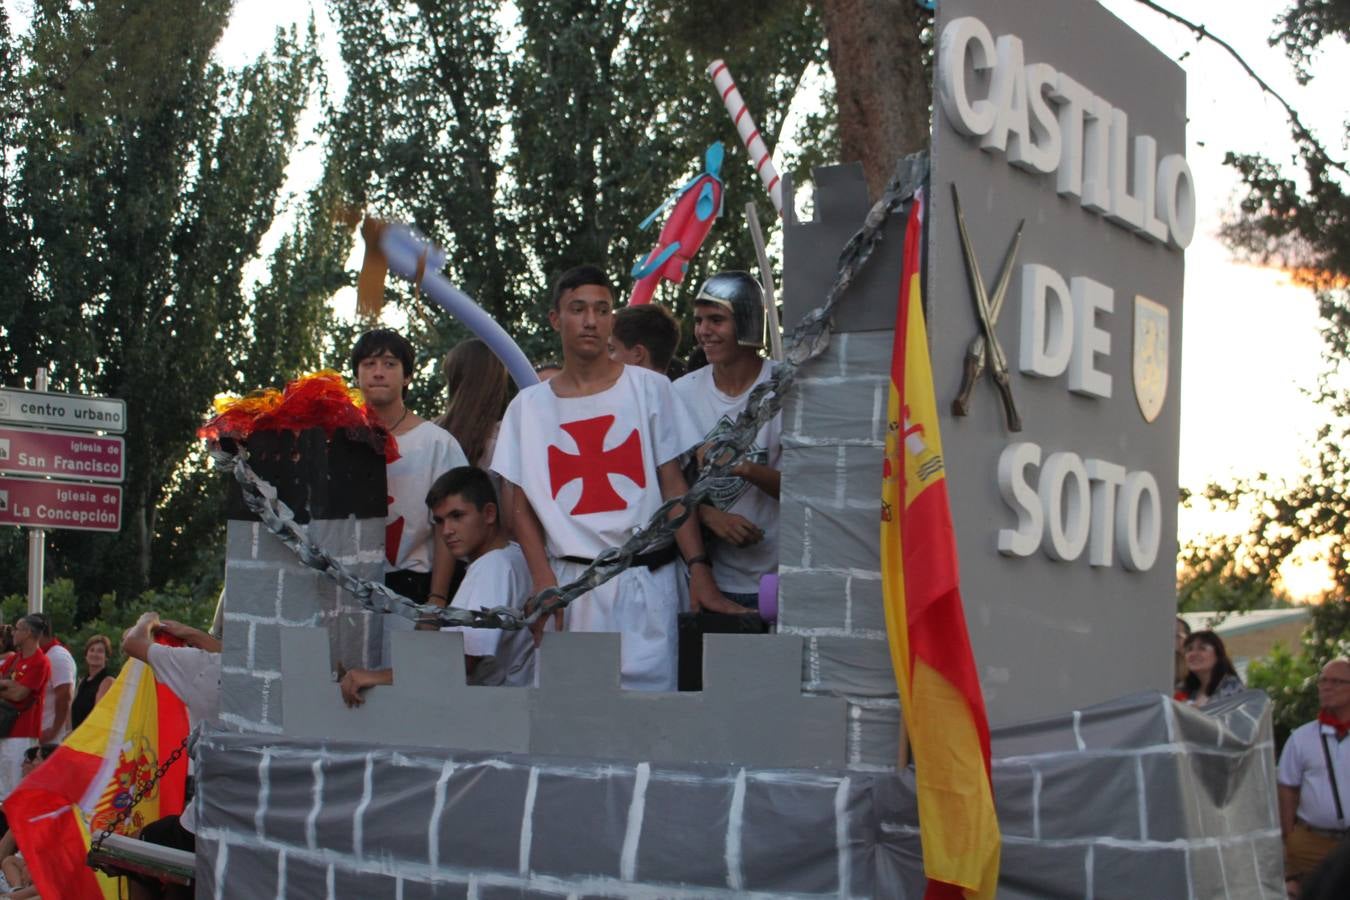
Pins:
<point x="50" y="644"/>
<point x="1342" y="726"/>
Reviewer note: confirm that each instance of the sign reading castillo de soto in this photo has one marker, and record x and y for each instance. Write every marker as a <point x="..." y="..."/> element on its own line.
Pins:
<point x="1060" y="180"/>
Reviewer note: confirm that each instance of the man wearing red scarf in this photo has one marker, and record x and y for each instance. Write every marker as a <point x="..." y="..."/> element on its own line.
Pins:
<point x="23" y="679"/>
<point x="1314" y="778"/>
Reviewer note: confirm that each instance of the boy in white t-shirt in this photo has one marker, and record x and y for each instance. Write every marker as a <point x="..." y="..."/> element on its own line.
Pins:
<point x="742" y="512"/>
<point x="587" y="458"/>
<point x="416" y="565"/>
<point x="464" y="509"/>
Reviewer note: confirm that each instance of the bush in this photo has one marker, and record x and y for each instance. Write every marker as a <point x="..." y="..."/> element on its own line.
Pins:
<point x="111" y="618"/>
<point x="1291" y="680"/>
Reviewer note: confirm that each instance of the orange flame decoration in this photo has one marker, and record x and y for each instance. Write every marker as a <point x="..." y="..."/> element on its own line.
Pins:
<point x="315" y="400"/>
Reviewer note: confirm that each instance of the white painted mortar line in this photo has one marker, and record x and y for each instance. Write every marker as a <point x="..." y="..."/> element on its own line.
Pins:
<point x="437" y="810"/>
<point x="312" y="820"/>
<point x="735" y="817"/>
<point x="358" y="818"/>
<point x="841" y="841"/>
<point x="264" y="789"/>
<point x="527" y="822"/>
<point x="633" y="831"/>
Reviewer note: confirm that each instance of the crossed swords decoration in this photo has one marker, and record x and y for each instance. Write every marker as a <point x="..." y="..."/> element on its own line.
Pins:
<point x="984" y="350"/>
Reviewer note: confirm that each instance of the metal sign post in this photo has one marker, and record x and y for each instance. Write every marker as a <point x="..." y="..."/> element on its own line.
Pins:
<point x="37" y="537"/>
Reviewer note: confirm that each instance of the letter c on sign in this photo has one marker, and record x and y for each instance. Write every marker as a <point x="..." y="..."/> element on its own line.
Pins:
<point x="962" y="38"/>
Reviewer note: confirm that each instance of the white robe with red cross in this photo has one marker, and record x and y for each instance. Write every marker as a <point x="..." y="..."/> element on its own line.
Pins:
<point x="588" y="466"/>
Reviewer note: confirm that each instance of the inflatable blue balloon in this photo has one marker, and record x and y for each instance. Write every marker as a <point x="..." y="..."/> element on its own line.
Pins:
<point x="411" y="255"/>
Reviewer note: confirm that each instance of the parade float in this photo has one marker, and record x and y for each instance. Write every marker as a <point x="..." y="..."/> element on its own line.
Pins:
<point x="1057" y="206"/>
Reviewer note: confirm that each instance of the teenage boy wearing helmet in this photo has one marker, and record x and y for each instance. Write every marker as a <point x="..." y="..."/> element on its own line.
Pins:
<point x="742" y="513"/>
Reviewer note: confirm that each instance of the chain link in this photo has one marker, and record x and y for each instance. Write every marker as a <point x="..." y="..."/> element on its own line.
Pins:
<point x="807" y="340"/>
<point x="140" y="793"/>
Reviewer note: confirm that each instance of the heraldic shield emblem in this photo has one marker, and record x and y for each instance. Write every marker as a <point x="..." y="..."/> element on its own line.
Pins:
<point x="1150" y="356"/>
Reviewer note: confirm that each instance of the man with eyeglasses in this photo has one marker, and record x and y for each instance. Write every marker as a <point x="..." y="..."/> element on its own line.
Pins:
<point x="1314" y="777"/>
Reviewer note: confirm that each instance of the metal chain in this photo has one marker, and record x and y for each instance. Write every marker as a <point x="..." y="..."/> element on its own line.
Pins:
<point x="140" y="793"/>
<point x="808" y="339"/>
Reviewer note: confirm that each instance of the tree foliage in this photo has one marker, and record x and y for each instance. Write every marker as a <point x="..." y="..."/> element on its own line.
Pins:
<point x="140" y="178"/>
<point x="1301" y="221"/>
<point x="526" y="145"/>
<point x="1290" y="678"/>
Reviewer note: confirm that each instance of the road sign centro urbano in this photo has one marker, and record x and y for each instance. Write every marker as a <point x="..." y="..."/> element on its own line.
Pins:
<point x="61" y="454"/>
<point x="45" y="503"/>
<point x="24" y="407"/>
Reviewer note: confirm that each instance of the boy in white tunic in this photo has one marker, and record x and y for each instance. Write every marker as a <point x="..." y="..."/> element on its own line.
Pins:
<point x="416" y="565"/>
<point x="587" y="458"/>
<point x="464" y="510"/>
<point x="743" y="510"/>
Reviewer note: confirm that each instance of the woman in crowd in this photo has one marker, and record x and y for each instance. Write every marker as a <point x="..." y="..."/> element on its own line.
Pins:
<point x="97" y="679"/>
<point x="1179" y="670"/>
<point x="1210" y="673"/>
<point x="477" y="385"/>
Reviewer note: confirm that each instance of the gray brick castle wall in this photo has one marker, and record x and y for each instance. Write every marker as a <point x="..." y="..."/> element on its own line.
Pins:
<point x="267" y="591"/>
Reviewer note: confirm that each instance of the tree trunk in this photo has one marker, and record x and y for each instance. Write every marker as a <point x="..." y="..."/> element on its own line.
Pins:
<point x="882" y="83"/>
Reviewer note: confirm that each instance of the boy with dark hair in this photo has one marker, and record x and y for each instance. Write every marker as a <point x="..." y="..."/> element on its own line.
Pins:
<point x="646" y="336"/>
<point x="415" y="565"/>
<point x="578" y="277"/>
<point x="588" y="457"/>
<point x="742" y="512"/>
<point x="464" y="509"/>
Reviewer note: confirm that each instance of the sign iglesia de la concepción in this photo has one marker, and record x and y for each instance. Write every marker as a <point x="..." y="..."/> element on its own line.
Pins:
<point x="1062" y="204"/>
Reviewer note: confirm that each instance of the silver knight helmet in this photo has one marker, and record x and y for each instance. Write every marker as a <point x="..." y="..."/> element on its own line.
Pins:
<point x="740" y="295"/>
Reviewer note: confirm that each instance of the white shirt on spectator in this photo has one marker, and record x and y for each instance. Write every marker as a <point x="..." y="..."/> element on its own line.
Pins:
<point x="63" y="672"/>
<point x="1303" y="765"/>
<point x="194" y="675"/>
<point x="497" y="578"/>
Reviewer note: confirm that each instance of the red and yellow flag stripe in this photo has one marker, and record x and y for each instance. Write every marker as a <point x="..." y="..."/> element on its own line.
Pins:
<point x="930" y="646"/>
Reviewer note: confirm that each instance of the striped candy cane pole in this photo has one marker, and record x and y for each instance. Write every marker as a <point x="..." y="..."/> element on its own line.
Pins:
<point x="754" y="143"/>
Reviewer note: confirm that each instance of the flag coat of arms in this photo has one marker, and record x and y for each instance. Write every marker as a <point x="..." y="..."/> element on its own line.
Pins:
<point x="82" y="787"/>
<point x="939" y="691"/>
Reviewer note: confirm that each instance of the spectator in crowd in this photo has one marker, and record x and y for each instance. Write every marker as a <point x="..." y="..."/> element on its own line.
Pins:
<point x="1183" y="631"/>
<point x="464" y="509"/>
<point x="476" y="385"/>
<point x="742" y="511"/>
<point x="589" y="457"/>
<point x="415" y="565"/>
<point x="23" y="684"/>
<point x="96" y="681"/>
<point x="60" y="687"/>
<point x="1313" y="783"/>
<point x="646" y="336"/>
<point x="1210" y="674"/>
<point x="193" y="673"/>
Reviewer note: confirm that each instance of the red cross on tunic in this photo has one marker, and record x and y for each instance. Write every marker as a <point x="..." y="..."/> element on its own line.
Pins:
<point x="594" y="465"/>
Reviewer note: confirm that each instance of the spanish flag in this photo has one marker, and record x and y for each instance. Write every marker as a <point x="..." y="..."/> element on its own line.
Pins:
<point x="90" y="779"/>
<point x="930" y="647"/>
